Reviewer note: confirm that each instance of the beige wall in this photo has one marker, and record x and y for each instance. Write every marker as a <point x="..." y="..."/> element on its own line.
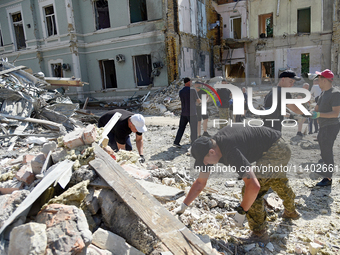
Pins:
<point x="286" y="22"/>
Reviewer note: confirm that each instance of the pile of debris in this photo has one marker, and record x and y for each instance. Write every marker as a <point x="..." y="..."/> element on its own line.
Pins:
<point x="166" y="101"/>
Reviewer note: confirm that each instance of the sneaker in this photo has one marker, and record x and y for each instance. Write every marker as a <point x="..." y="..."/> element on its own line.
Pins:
<point x="324" y="182"/>
<point x="291" y="215"/>
<point x="206" y="134"/>
<point x="177" y="145"/>
<point x="299" y="133"/>
<point x="310" y="133"/>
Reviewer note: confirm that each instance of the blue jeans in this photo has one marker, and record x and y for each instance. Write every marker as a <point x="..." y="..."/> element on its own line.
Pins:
<point x="113" y="143"/>
<point x="316" y="125"/>
<point x="182" y="124"/>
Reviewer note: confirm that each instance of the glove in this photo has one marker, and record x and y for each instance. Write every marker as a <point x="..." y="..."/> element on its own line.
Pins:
<point x="315" y="115"/>
<point x="179" y="210"/>
<point x="239" y="216"/>
<point x="239" y="219"/>
<point x="141" y="159"/>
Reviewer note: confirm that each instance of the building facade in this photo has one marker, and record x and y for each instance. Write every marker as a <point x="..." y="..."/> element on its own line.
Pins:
<point x="120" y="48"/>
<point x="264" y="37"/>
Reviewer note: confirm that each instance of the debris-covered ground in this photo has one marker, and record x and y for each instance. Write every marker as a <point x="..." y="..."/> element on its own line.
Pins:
<point x="60" y="196"/>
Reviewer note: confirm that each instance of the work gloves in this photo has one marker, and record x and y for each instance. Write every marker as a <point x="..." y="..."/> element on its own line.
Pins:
<point x="141" y="159"/>
<point x="315" y="115"/>
<point x="179" y="210"/>
<point x="239" y="216"/>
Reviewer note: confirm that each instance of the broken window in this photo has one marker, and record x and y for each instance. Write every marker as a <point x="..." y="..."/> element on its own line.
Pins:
<point x="50" y="21"/>
<point x="57" y="70"/>
<point x="235" y="28"/>
<point x="1" y="41"/>
<point x="266" y="25"/>
<point x="138" y="11"/>
<point x="303" y="22"/>
<point x="143" y="70"/>
<point x="202" y="62"/>
<point x="305" y="63"/>
<point x="19" y="31"/>
<point x="102" y="17"/>
<point x="108" y="74"/>
<point x="268" y="71"/>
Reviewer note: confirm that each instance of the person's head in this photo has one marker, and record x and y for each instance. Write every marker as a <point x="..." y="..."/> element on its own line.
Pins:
<point x="287" y="78"/>
<point x="137" y="123"/>
<point x="325" y="79"/>
<point x="187" y="81"/>
<point x="224" y="81"/>
<point x="205" y="151"/>
<point x="244" y="89"/>
<point x="316" y="81"/>
<point x="306" y="86"/>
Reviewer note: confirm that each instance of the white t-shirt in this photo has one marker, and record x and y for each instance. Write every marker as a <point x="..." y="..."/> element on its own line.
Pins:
<point x="315" y="91"/>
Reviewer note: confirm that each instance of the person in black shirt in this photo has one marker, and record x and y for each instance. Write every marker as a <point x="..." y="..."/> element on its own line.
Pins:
<point x="119" y="136"/>
<point x="327" y="112"/>
<point x="223" y="110"/>
<point x="287" y="79"/>
<point x="189" y="99"/>
<point x="238" y="147"/>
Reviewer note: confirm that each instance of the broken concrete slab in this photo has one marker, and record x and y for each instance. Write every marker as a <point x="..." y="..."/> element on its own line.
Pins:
<point x="136" y="172"/>
<point x="90" y="134"/>
<point x="274" y="201"/>
<point x="37" y="163"/>
<point x="73" y="139"/>
<point x="29" y="238"/>
<point x="66" y="227"/>
<point x="47" y="147"/>
<point x="50" y="177"/>
<point x="109" y="241"/>
<point x="161" y="192"/>
<point x="94" y="250"/>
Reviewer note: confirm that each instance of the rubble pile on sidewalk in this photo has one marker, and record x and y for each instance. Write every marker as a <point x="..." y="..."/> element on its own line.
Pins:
<point x="166" y="101"/>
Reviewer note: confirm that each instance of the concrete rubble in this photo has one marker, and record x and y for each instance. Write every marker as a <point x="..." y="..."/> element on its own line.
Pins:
<point x="61" y="203"/>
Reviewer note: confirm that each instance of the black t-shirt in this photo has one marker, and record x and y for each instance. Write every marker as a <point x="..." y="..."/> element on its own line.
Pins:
<point x="225" y="97"/>
<point x="121" y="130"/>
<point x="327" y="100"/>
<point x="188" y="98"/>
<point x="241" y="146"/>
<point x="268" y="102"/>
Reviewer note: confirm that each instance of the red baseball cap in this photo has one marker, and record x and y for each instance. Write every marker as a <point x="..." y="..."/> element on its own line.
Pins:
<point x="326" y="73"/>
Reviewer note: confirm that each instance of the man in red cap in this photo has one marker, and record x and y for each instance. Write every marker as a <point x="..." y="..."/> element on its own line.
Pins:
<point x="327" y="112"/>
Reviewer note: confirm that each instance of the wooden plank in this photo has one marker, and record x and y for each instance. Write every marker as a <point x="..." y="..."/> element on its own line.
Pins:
<point x="64" y="82"/>
<point x="86" y="102"/>
<point x="32" y="120"/>
<point x="112" y="122"/>
<point x="12" y="69"/>
<point x="173" y="233"/>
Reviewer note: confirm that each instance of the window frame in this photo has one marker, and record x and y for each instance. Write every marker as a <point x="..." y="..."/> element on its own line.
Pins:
<point x="55" y="62"/>
<point x="231" y="26"/>
<point x="96" y="15"/>
<point x="42" y="5"/>
<point x="262" y="24"/>
<point x="310" y="20"/>
<point x="10" y="11"/>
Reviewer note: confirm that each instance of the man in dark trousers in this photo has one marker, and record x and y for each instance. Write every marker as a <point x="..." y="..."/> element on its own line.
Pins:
<point x="237" y="147"/>
<point x="327" y="112"/>
<point x="119" y="136"/>
<point x="189" y="99"/>
<point x="286" y="80"/>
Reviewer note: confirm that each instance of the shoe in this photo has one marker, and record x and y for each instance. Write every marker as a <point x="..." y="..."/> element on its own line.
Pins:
<point x="310" y="133"/>
<point x="259" y="236"/>
<point x="299" y="133"/>
<point x="206" y="134"/>
<point x="324" y="182"/>
<point x="177" y="145"/>
<point x="291" y="215"/>
<point x="316" y="131"/>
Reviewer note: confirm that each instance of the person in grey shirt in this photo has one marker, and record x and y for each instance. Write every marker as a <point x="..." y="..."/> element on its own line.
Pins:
<point x="327" y="112"/>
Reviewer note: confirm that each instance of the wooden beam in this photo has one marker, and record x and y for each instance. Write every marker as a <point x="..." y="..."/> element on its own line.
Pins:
<point x="172" y="233"/>
<point x="64" y="82"/>
<point x="12" y="69"/>
<point x="32" y="120"/>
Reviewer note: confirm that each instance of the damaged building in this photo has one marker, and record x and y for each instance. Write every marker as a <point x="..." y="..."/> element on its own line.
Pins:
<point x="261" y="38"/>
<point x="120" y="48"/>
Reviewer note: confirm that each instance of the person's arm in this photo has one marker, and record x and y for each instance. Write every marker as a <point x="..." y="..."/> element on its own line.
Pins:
<point x="252" y="187"/>
<point x="196" y="188"/>
<point x="294" y="108"/>
<point x="333" y="114"/>
<point x="139" y="144"/>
